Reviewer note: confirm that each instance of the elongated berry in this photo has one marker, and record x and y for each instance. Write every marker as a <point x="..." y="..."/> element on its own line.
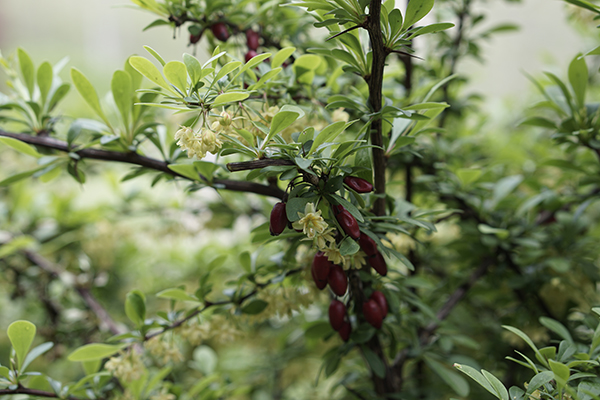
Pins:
<point x="320" y="283"/>
<point x="252" y="38"/>
<point x="337" y="314"/>
<point x="348" y="224"/>
<point x="278" y="220"/>
<point x="378" y="263"/>
<point x="373" y="313"/>
<point x="381" y="301"/>
<point x="367" y="244"/>
<point x="337" y="280"/>
<point x="321" y="265"/>
<point x="345" y="331"/>
<point x="195" y="38"/>
<point x="358" y="184"/>
<point x="220" y="31"/>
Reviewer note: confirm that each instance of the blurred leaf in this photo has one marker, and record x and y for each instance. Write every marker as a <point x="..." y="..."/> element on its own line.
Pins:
<point x="95" y="351"/>
<point x="578" y="77"/>
<point x="27" y="70"/>
<point x="255" y="307"/>
<point x="20" y="146"/>
<point x="452" y="378"/>
<point x="21" y="334"/>
<point x="87" y="91"/>
<point x="122" y="90"/>
<point x="135" y="307"/>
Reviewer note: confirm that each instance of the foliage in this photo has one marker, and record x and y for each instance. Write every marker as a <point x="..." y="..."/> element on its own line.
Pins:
<point x="402" y="220"/>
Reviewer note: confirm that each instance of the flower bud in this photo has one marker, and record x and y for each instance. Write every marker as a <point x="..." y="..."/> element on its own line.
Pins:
<point x="359" y="185"/>
<point x="225" y="118"/>
<point x="278" y="220"/>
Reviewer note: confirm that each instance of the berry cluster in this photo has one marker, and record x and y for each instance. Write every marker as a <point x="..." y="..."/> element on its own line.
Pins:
<point x="220" y="30"/>
<point x="326" y="273"/>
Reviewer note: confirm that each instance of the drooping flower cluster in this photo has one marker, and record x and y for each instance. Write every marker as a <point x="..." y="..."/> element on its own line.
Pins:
<point x="197" y="144"/>
<point x="126" y="367"/>
<point x="163" y="350"/>
<point x="282" y="302"/>
<point x="311" y="222"/>
<point x="218" y="327"/>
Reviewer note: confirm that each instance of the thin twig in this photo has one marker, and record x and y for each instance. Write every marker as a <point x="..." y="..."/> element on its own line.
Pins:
<point x="143" y="161"/>
<point x="33" y="392"/>
<point x="256" y="164"/>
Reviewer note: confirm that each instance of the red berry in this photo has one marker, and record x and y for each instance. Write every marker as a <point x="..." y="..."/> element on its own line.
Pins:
<point x="321" y="265"/>
<point x="373" y="313"/>
<point x="250" y="55"/>
<point x="252" y="39"/>
<point x="220" y="31"/>
<point x="367" y="244"/>
<point x="378" y="263"/>
<point x="348" y="224"/>
<point x="195" y="38"/>
<point x="337" y="280"/>
<point x="381" y="302"/>
<point x="358" y="184"/>
<point x="345" y="331"/>
<point x="320" y="283"/>
<point x="338" y="208"/>
<point x="337" y="314"/>
<point x="278" y="220"/>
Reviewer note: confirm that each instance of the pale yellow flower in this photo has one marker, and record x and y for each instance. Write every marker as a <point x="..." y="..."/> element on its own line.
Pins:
<point x="324" y="237"/>
<point x="310" y="222"/>
<point x="163" y="350"/>
<point x="126" y="367"/>
<point x="356" y="260"/>
<point x="197" y="144"/>
<point x="225" y="119"/>
<point x="333" y="254"/>
<point x="340" y="115"/>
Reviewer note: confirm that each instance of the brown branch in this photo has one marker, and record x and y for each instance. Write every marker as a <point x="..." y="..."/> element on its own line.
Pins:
<point x="143" y="161"/>
<point x="92" y="303"/>
<point x="33" y="392"/>
<point x="256" y="164"/>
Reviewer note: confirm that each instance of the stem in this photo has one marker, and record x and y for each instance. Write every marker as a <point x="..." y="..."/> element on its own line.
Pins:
<point x="32" y="392"/>
<point x="143" y="161"/>
<point x="256" y="164"/>
<point x="375" y="84"/>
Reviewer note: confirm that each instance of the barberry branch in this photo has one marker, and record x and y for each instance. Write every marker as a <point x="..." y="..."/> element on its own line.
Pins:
<point x="143" y="161"/>
<point x="34" y="392"/>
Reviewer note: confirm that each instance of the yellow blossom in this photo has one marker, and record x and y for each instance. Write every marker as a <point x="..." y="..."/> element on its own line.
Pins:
<point x="126" y="367"/>
<point x="340" y="115"/>
<point x="311" y="221"/>
<point x="324" y="237"/>
<point x="333" y="254"/>
<point x="197" y="144"/>
<point x="163" y="350"/>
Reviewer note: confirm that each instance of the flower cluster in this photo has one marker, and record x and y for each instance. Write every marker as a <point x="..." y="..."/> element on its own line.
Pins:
<point x="197" y="143"/>
<point x="164" y="351"/>
<point x="126" y="367"/>
<point x="282" y="302"/>
<point x="218" y="327"/>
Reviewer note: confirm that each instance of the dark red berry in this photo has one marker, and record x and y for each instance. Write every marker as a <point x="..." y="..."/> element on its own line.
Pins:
<point x="367" y="244"/>
<point x="345" y="331"/>
<point x="348" y="224"/>
<point x="195" y="38"/>
<point x="321" y="265"/>
<point x="220" y="31"/>
<point x="381" y="302"/>
<point x="338" y="208"/>
<point x="320" y="283"/>
<point x="278" y="220"/>
<point x="358" y="184"/>
<point x="250" y="55"/>
<point x="337" y="280"/>
<point x="337" y="314"/>
<point x="252" y="39"/>
<point x="378" y="263"/>
<point x="373" y="313"/>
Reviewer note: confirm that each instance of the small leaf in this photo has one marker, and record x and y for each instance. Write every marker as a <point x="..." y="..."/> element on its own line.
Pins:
<point x="329" y="133"/>
<point x="21" y="334"/>
<point x="44" y="79"/>
<point x="578" y="77"/>
<point x="557" y="328"/>
<point x="35" y="353"/>
<point x="87" y="91"/>
<point x="135" y="307"/>
<point x="27" y="70"/>
<point x="376" y="364"/>
<point x="229" y="98"/>
<point x="415" y="11"/>
<point x="561" y="373"/>
<point x="187" y="170"/>
<point x="348" y="246"/>
<point x="146" y="68"/>
<point x="318" y="330"/>
<point x="452" y="378"/>
<point x="20" y="146"/>
<point x="477" y="377"/>
<point x="281" y="56"/>
<point x="176" y="73"/>
<point x="95" y="351"/>
<point x="122" y="90"/>
<point x="281" y="120"/>
<point x="255" y="307"/>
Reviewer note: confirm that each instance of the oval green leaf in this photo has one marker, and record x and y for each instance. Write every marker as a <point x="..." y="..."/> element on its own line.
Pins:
<point x="95" y="351"/>
<point x="21" y="334"/>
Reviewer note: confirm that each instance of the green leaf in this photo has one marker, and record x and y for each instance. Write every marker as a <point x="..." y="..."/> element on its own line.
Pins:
<point x="135" y="307"/>
<point x="194" y="68"/>
<point x="329" y="133"/>
<point x="122" y="90"/>
<point x="21" y="334"/>
<point x="376" y="364"/>
<point x="20" y="146"/>
<point x="206" y="169"/>
<point x="19" y="177"/>
<point x="5" y="372"/>
<point x="348" y="246"/>
<point x="415" y="11"/>
<point x="155" y="54"/>
<point x="176" y="294"/>
<point x="176" y="73"/>
<point x="230" y="97"/>
<point x="35" y="353"/>
<point x="58" y="95"/>
<point x="500" y="389"/>
<point x="95" y="351"/>
<point x="468" y="175"/>
<point x="529" y="342"/>
<point x="187" y="170"/>
<point x="539" y="380"/>
<point x="44" y="79"/>
<point x="227" y="68"/>
<point x="87" y="91"/>
<point x="539" y="121"/>
<point x="452" y="378"/>
<point x="280" y="121"/>
<point x="477" y="377"/>
<point x="246" y="261"/>
<point x="17" y="244"/>
<point x="557" y="328"/>
<point x="578" y="77"/>
<point x="146" y="68"/>
<point x="281" y="56"/>
<point x="561" y="373"/>
<point x="27" y="70"/>
<point x="255" y="307"/>
<point x="318" y="330"/>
